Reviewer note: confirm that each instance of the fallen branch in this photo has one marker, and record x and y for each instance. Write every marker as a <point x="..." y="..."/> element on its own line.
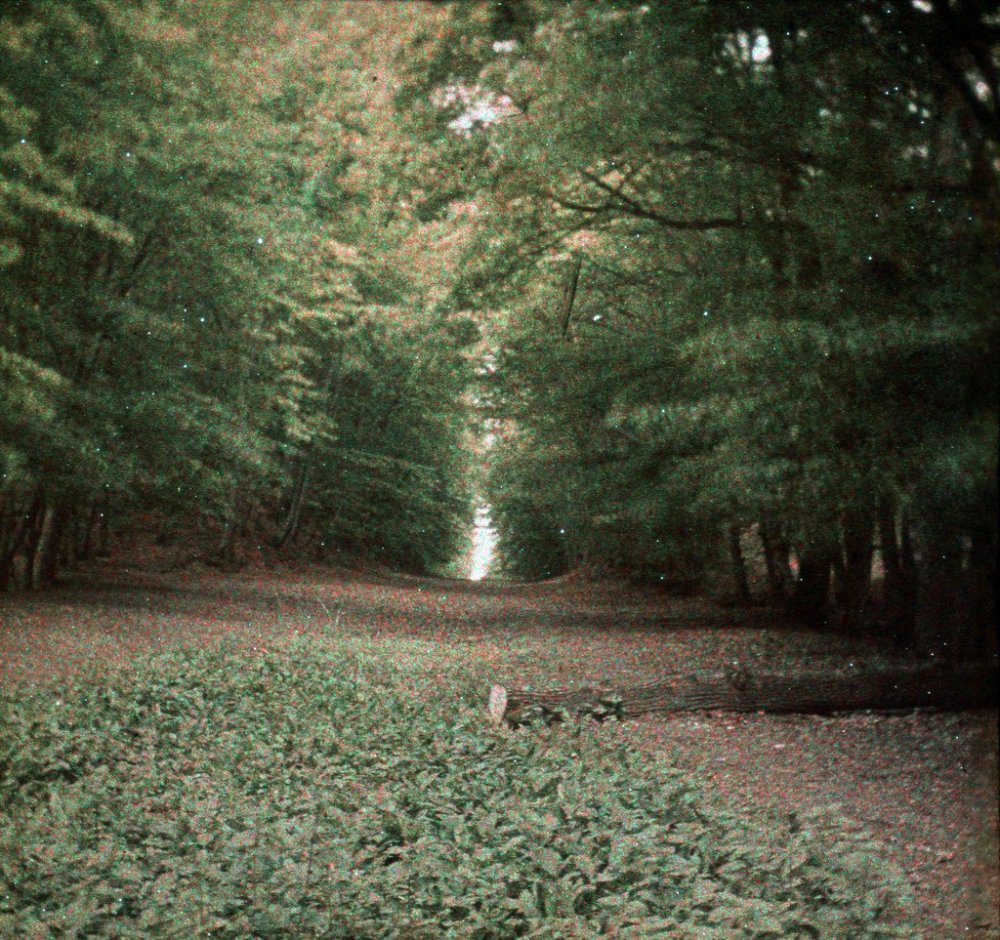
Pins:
<point x="819" y="693"/>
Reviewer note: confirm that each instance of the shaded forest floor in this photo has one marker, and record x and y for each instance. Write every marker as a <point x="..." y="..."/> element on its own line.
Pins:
<point x="924" y="784"/>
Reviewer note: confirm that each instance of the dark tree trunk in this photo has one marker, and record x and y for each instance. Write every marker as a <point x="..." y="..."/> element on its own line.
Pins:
<point x="73" y="539"/>
<point x="87" y="547"/>
<point x="246" y="518"/>
<point x="64" y="549"/>
<point x="983" y="587"/>
<point x="294" y="516"/>
<point x="891" y="557"/>
<point x="333" y="382"/>
<point x="739" y="566"/>
<point x="899" y="599"/>
<point x="104" y="529"/>
<point x="45" y="564"/>
<point x="31" y="541"/>
<point x="8" y="517"/>
<point x="858" y="533"/>
<point x="779" y="579"/>
<point x="818" y="693"/>
<point x="569" y="295"/>
<point x="26" y="522"/>
<point x="810" y="604"/>
<point x="838" y="570"/>
<point x="235" y="528"/>
<point x="225" y="553"/>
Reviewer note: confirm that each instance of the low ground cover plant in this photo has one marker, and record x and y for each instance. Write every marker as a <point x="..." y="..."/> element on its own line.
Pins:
<point x="346" y="788"/>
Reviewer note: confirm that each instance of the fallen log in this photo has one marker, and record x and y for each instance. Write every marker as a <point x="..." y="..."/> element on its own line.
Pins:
<point x="738" y="691"/>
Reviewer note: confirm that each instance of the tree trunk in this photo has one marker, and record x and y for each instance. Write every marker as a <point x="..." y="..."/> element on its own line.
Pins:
<point x="45" y="564"/>
<point x="892" y="560"/>
<point x="898" y="601"/>
<point x="8" y="517"/>
<point x="246" y="517"/>
<point x="776" y="560"/>
<point x="739" y="566"/>
<point x="87" y="545"/>
<point x="64" y="557"/>
<point x="333" y="383"/>
<point x="104" y="530"/>
<point x="569" y="295"/>
<point x="982" y="590"/>
<point x="25" y="524"/>
<point x="31" y="540"/>
<point x="818" y="693"/>
<point x="810" y="602"/>
<point x="911" y="577"/>
<point x="839" y="572"/>
<point x="858" y="533"/>
<point x="294" y="516"/>
<point x="225" y="552"/>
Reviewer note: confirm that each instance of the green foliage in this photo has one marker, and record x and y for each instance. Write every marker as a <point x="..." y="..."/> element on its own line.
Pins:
<point x="146" y="306"/>
<point x="390" y="475"/>
<point x="196" y="232"/>
<point x="324" y="789"/>
<point x="781" y="312"/>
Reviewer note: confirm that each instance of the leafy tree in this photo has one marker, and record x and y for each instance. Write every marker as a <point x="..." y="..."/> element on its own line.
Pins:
<point x="188" y="247"/>
<point x="784" y="217"/>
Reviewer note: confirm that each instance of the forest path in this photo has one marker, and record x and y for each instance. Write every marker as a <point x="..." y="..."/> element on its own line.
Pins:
<point x="924" y="784"/>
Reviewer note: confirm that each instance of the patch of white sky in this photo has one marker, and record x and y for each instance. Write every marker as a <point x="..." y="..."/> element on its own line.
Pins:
<point x="761" y="50"/>
<point x="480" y="107"/>
<point x="483" y="545"/>
<point x="484" y="534"/>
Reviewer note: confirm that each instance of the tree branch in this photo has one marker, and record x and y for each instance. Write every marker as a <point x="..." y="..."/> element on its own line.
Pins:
<point x="628" y="206"/>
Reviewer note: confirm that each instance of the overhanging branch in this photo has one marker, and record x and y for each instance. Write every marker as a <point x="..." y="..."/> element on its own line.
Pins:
<point x="622" y="203"/>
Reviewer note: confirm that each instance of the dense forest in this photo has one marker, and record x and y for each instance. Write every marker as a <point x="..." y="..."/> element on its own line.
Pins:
<point x="732" y="269"/>
<point x="210" y="315"/>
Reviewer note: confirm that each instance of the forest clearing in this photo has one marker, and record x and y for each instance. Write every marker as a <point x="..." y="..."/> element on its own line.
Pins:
<point x="499" y="468"/>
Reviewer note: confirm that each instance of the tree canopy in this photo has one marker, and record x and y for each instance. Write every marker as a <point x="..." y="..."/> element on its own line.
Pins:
<point x="209" y="309"/>
<point x="745" y="256"/>
<point x="735" y="264"/>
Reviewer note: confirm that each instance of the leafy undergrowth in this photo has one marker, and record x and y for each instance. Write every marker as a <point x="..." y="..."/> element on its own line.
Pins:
<point x="310" y="791"/>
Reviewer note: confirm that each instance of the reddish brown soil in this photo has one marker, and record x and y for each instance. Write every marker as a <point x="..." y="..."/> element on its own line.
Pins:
<point x="924" y="784"/>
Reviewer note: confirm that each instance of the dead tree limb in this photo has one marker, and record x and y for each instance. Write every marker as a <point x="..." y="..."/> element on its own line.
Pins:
<point x="819" y="693"/>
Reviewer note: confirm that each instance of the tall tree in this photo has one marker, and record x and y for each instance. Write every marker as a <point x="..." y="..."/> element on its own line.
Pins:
<point x="190" y="248"/>
<point x="786" y="216"/>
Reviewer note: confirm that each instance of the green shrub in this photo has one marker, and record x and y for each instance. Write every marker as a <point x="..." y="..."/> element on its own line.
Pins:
<point x="324" y="789"/>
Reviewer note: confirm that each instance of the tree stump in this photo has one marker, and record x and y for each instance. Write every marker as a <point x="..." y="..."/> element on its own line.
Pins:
<point x="498" y="703"/>
<point x="817" y="694"/>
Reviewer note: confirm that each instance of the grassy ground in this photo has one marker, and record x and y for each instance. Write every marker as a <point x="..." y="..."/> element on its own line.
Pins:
<point x="923" y="785"/>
